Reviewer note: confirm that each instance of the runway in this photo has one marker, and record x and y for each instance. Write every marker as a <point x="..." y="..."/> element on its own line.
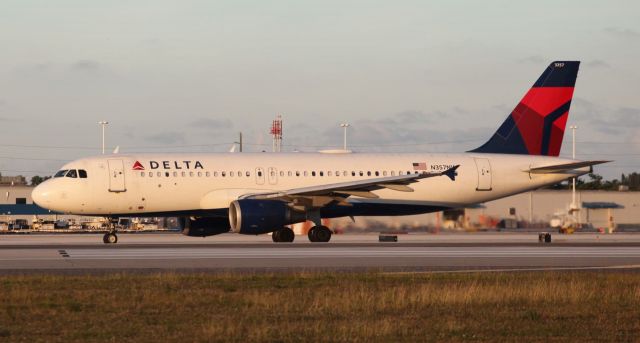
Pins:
<point x="437" y="253"/>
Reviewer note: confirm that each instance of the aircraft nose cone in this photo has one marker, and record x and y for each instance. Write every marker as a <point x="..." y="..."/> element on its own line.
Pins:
<point x="42" y="195"/>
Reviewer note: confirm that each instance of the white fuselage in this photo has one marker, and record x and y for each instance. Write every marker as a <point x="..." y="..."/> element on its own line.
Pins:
<point x="189" y="183"/>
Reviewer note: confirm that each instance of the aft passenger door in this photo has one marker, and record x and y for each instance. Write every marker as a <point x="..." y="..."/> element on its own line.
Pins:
<point x="116" y="176"/>
<point x="484" y="174"/>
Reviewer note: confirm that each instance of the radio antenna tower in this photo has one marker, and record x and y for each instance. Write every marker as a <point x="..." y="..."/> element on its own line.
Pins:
<point x="276" y="132"/>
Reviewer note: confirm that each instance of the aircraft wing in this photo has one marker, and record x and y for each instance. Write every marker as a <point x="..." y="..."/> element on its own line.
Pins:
<point x="318" y="196"/>
<point x="560" y="168"/>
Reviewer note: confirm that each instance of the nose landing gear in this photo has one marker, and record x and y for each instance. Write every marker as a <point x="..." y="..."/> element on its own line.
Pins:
<point x="111" y="237"/>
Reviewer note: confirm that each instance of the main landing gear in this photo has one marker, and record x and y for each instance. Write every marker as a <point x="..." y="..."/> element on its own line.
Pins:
<point x="319" y="233"/>
<point x="283" y="235"/>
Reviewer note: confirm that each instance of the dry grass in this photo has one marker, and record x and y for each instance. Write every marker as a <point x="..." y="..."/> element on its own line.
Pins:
<point x="321" y="307"/>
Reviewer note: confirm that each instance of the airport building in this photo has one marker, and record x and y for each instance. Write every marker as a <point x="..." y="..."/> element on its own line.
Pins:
<point x="604" y="211"/>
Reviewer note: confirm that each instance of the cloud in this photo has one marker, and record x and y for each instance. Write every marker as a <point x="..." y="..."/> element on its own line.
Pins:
<point x="86" y="66"/>
<point x="405" y="131"/>
<point x="209" y="123"/>
<point x="167" y="137"/>
<point x="621" y="33"/>
<point x="598" y="64"/>
<point x="536" y="59"/>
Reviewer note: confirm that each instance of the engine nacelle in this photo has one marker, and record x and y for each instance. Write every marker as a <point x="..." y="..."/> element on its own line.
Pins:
<point x="203" y="227"/>
<point x="254" y="217"/>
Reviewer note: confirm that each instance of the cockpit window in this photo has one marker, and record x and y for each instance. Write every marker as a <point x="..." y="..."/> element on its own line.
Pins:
<point x="61" y="173"/>
<point x="82" y="173"/>
<point x="72" y="173"/>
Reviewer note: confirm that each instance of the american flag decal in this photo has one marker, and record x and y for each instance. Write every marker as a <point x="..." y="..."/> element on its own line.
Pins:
<point x="419" y="166"/>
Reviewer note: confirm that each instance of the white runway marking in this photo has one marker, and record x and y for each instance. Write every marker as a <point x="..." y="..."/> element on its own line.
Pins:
<point x="355" y="252"/>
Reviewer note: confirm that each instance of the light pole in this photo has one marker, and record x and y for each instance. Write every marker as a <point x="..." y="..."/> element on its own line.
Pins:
<point x="573" y="188"/>
<point x="103" y="123"/>
<point x="344" y="126"/>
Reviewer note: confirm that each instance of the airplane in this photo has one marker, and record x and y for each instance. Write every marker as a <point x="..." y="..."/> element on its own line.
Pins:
<point x="260" y="193"/>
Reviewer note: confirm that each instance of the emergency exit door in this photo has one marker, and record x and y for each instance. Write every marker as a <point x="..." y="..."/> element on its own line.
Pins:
<point x="484" y="174"/>
<point x="273" y="176"/>
<point x="116" y="176"/>
<point x="259" y="176"/>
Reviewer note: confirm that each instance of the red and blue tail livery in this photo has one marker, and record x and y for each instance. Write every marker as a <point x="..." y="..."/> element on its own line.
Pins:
<point x="536" y="126"/>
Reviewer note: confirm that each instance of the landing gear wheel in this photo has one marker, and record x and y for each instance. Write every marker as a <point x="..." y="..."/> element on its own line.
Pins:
<point x="275" y="236"/>
<point x="284" y="235"/>
<point x="110" y="238"/>
<point x="320" y="234"/>
<point x="287" y="235"/>
<point x="312" y="234"/>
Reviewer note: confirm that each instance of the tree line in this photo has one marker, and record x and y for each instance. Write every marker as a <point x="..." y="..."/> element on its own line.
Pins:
<point x="597" y="182"/>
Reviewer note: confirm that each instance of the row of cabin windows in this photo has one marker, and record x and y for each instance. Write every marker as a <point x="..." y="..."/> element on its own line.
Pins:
<point x="273" y="173"/>
<point x="72" y="173"/>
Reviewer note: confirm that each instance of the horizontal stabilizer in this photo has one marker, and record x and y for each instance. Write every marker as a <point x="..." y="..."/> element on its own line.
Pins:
<point x="559" y="168"/>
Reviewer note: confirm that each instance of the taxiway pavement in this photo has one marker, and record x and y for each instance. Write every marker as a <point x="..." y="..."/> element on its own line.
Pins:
<point x="85" y="253"/>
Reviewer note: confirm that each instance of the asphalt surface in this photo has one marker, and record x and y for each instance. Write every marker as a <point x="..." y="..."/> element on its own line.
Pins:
<point x="73" y="253"/>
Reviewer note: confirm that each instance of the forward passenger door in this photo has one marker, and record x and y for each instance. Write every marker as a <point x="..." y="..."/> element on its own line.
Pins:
<point x="116" y="176"/>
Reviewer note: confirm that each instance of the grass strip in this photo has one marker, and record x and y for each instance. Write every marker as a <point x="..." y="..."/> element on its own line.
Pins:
<point x="317" y="307"/>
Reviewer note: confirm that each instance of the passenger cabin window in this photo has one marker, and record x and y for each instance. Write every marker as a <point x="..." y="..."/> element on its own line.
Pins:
<point x="21" y="201"/>
<point x="72" y="173"/>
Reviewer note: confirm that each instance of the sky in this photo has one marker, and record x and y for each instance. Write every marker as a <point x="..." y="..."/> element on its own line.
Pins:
<point x="187" y="76"/>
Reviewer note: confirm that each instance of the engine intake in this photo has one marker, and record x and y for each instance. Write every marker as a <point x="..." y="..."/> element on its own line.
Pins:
<point x="254" y="217"/>
<point x="205" y="226"/>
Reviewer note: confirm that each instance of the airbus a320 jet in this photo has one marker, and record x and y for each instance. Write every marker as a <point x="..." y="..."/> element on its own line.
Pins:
<point x="259" y="193"/>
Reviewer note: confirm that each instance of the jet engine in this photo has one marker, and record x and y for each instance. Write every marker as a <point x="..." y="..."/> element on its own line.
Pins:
<point x="254" y="217"/>
<point x="204" y="226"/>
